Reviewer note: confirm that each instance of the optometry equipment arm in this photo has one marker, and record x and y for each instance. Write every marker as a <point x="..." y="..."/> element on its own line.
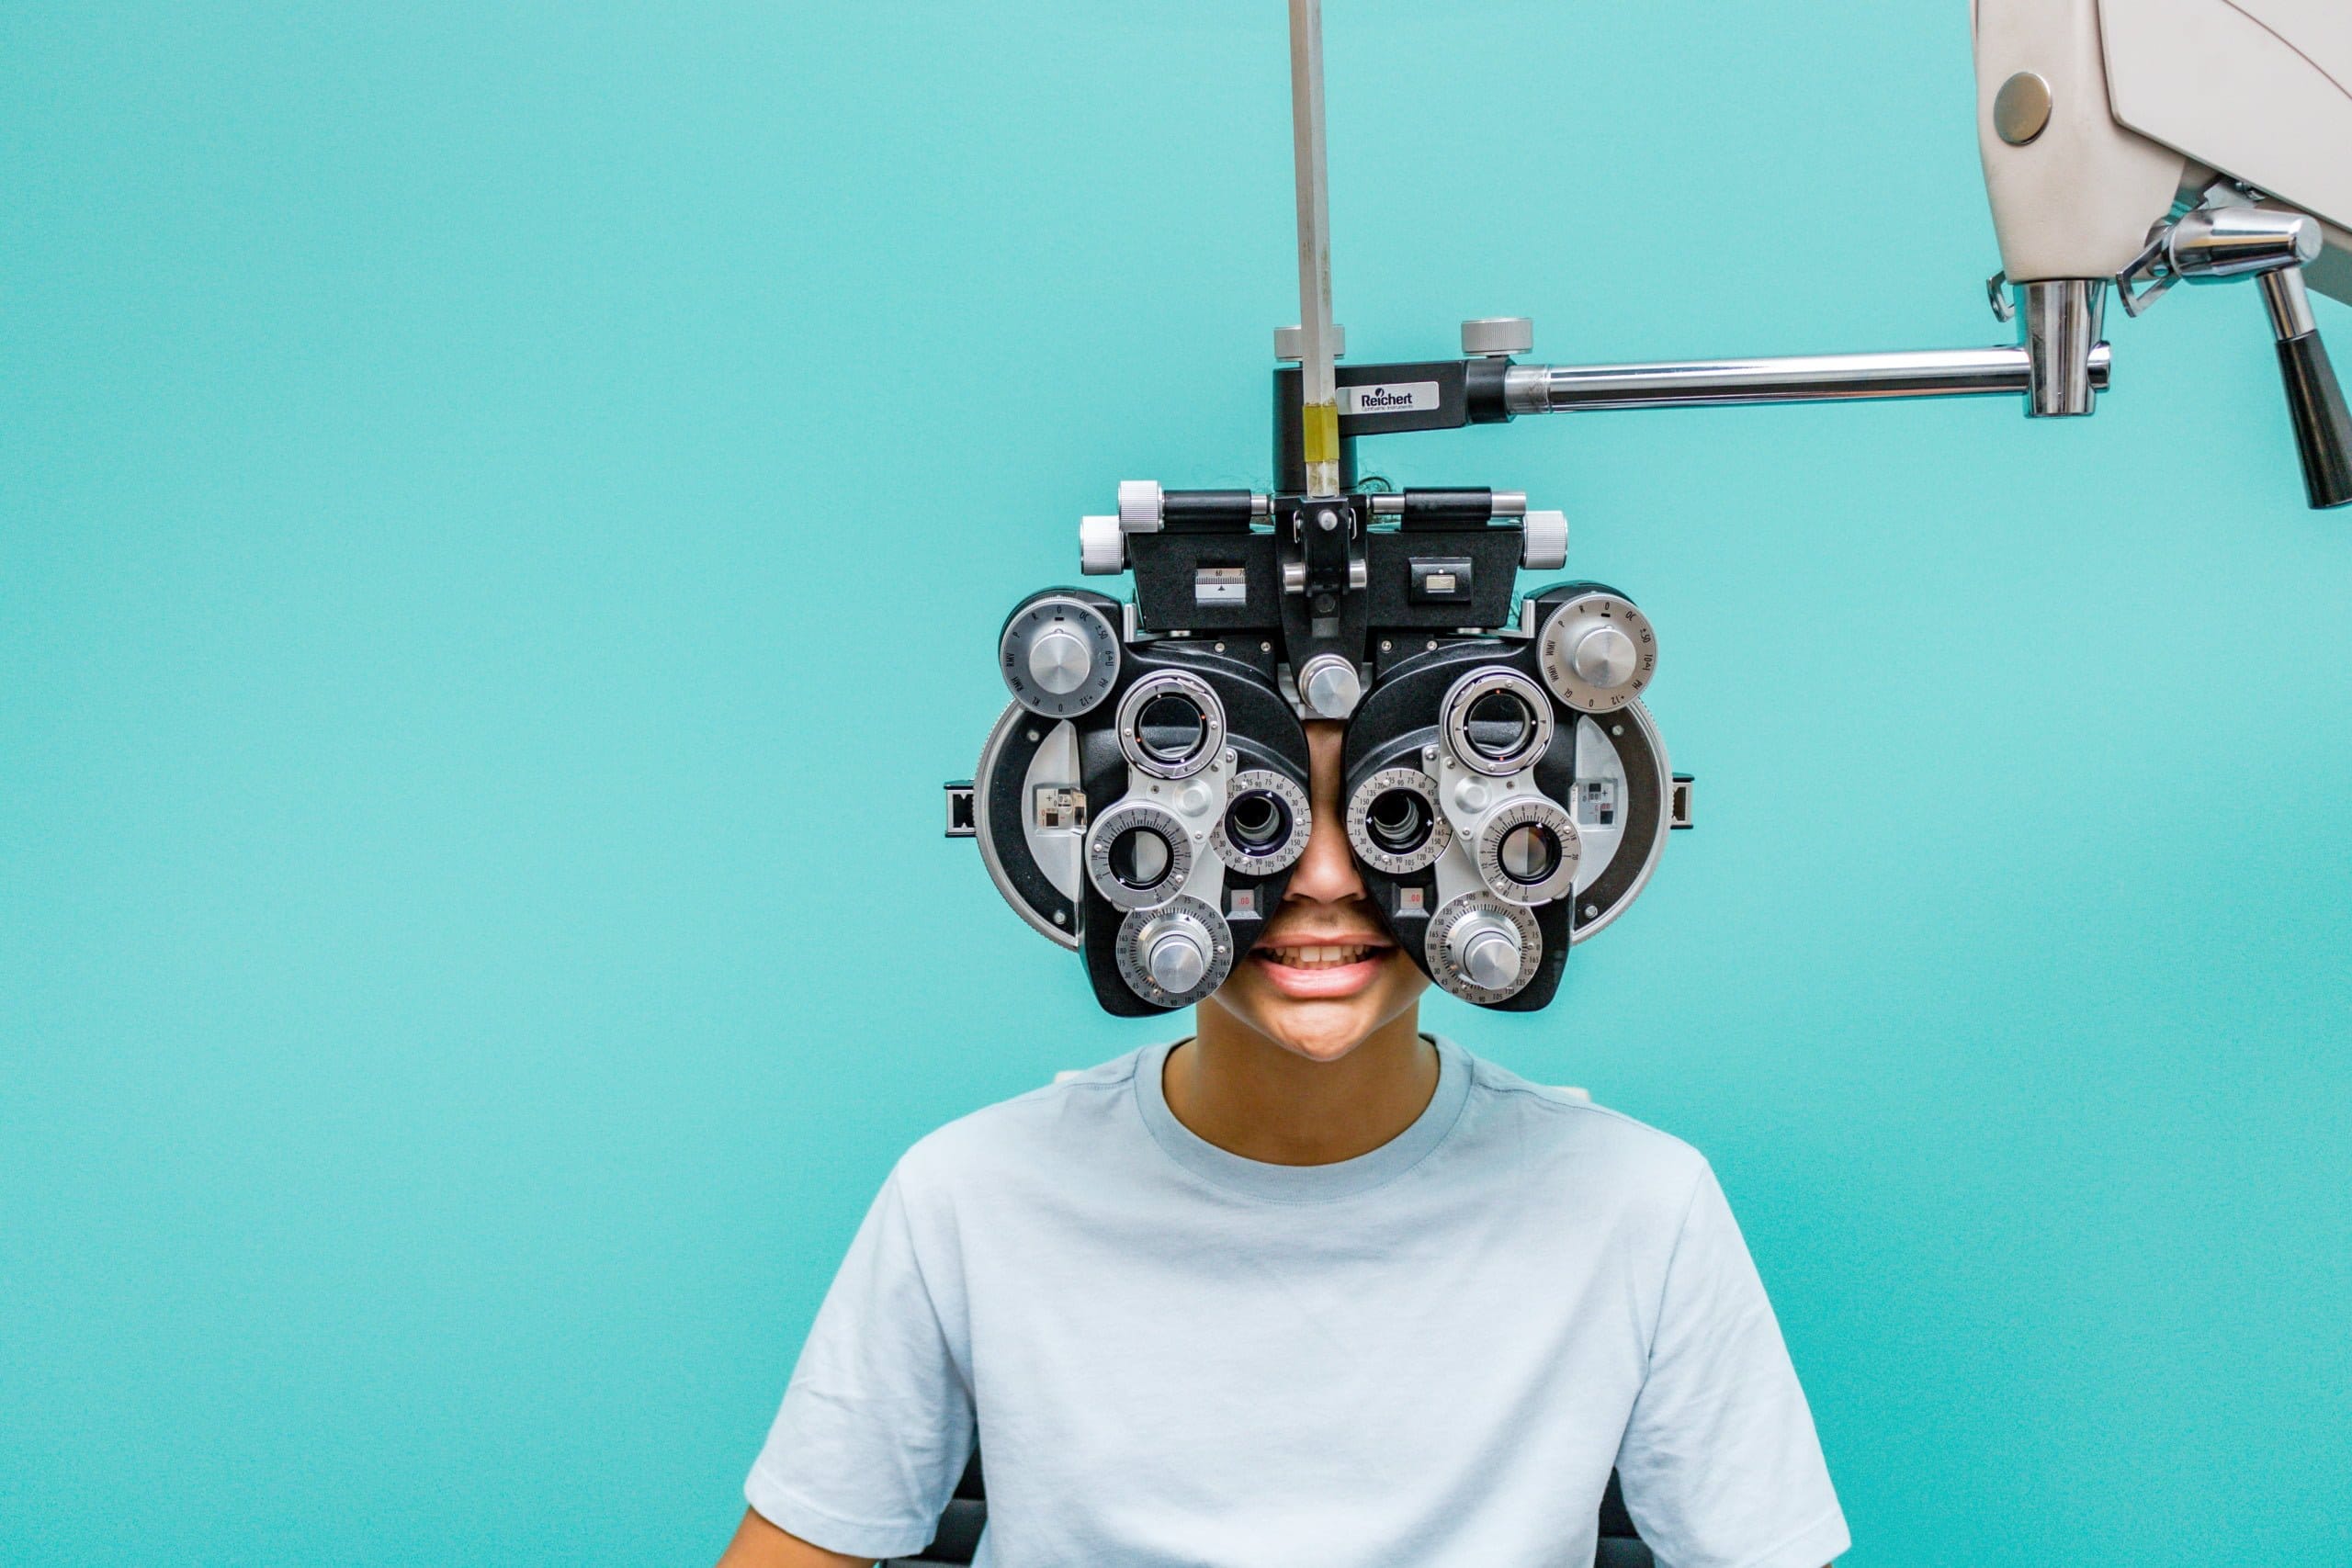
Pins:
<point x="2137" y="142"/>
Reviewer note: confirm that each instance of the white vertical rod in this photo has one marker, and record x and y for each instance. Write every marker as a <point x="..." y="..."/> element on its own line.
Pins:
<point x="1319" y="396"/>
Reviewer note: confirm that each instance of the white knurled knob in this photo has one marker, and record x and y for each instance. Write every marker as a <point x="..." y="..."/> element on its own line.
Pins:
<point x="1543" y="541"/>
<point x="1142" y="506"/>
<point x="1498" y="335"/>
<point x="1102" y="547"/>
<point x="1290" y="344"/>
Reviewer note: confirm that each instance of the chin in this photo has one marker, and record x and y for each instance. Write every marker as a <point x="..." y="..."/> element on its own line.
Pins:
<point x="1319" y="1028"/>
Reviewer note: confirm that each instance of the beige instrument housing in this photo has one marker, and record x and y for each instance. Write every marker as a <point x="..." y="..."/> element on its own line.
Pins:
<point x="2149" y="99"/>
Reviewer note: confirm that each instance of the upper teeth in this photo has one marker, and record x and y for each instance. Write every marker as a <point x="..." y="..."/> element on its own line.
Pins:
<point x="1319" y="957"/>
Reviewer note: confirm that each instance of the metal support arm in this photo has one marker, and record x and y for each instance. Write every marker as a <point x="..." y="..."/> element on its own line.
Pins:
<point x="1794" y="379"/>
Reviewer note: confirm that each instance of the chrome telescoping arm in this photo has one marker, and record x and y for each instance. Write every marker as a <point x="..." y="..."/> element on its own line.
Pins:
<point x="1793" y="378"/>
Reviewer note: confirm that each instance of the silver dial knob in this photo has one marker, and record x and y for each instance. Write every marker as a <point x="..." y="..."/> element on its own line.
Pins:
<point x="1483" y="950"/>
<point x="1058" y="661"/>
<point x="1177" y="959"/>
<point x="1488" y="950"/>
<point x="1597" y="651"/>
<point x="1173" y="955"/>
<point x="1330" y="686"/>
<point x="1058" y="655"/>
<point x="1604" y="657"/>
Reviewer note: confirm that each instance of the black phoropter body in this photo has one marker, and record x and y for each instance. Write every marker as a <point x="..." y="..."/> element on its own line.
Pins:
<point x="1143" y="799"/>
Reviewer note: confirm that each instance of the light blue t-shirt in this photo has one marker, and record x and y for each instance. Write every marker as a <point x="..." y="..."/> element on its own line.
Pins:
<point x="1430" y="1355"/>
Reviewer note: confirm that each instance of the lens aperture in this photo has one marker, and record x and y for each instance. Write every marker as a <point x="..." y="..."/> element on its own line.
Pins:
<point x="1529" y="853"/>
<point x="1500" y="724"/>
<point x="1257" y="821"/>
<point x="1139" y="858"/>
<point x="1399" y="821"/>
<point x="1171" y="728"/>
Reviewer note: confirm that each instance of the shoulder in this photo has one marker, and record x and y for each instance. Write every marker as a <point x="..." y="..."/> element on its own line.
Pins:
<point x="1070" y="1119"/>
<point x="1562" y="1133"/>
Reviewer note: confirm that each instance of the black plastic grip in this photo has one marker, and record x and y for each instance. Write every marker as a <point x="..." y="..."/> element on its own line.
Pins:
<point x="2322" y="426"/>
<point x="1207" y="509"/>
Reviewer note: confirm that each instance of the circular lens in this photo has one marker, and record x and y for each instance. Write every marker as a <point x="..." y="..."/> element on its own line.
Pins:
<point x="1529" y="853"/>
<point x="1398" y="821"/>
<point x="1171" y="728"/>
<point x="1496" y="721"/>
<point x="1500" y="724"/>
<point x="1257" y="821"/>
<point x="1139" y="858"/>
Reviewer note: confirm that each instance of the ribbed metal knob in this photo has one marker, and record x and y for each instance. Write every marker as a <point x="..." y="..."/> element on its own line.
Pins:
<point x="1143" y="506"/>
<point x="1543" y="541"/>
<point x="1498" y="335"/>
<point x="1290" y="343"/>
<point x="1177" y="959"/>
<point x="1605" y="658"/>
<point x="1102" y="547"/>
<point x="1330" y="686"/>
<point x="1488" y="952"/>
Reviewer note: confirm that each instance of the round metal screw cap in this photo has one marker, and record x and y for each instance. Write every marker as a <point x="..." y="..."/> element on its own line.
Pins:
<point x="1290" y="344"/>
<point x="1604" y="657"/>
<point x="1543" y="541"/>
<point x="1490" y="955"/>
<point x="1498" y="335"/>
<point x="1176" y="962"/>
<point x="2021" y="109"/>
<point x="1101" y="548"/>
<point x="1059" y="660"/>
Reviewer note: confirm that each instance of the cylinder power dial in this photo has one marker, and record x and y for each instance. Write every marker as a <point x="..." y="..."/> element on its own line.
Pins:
<point x="1174" y="956"/>
<point x="1058" y="655"/>
<point x="1483" y="950"/>
<point x="1597" y="651"/>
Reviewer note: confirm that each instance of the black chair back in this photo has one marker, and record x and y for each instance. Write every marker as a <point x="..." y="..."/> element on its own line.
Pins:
<point x="967" y="1512"/>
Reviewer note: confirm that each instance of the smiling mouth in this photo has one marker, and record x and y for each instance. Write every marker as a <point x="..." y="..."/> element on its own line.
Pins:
<point x="1313" y="956"/>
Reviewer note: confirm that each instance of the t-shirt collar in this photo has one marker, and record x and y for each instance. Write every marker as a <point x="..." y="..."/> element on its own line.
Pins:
<point x="1303" y="1183"/>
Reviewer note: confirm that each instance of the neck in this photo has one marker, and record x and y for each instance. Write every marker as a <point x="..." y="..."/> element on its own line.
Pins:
<point x="1251" y="1097"/>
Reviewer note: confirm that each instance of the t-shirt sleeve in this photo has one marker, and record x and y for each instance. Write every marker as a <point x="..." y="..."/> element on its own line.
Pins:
<point x="877" y="1422"/>
<point x="1720" y="1462"/>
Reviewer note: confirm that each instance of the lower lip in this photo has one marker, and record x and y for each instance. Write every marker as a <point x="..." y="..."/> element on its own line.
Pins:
<point x="1328" y="980"/>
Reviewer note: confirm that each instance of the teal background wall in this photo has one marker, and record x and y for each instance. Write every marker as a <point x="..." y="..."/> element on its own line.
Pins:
<point x="504" y="515"/>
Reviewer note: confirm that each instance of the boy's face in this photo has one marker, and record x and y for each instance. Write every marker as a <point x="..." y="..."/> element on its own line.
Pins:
<point x="1324" y="974"/>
